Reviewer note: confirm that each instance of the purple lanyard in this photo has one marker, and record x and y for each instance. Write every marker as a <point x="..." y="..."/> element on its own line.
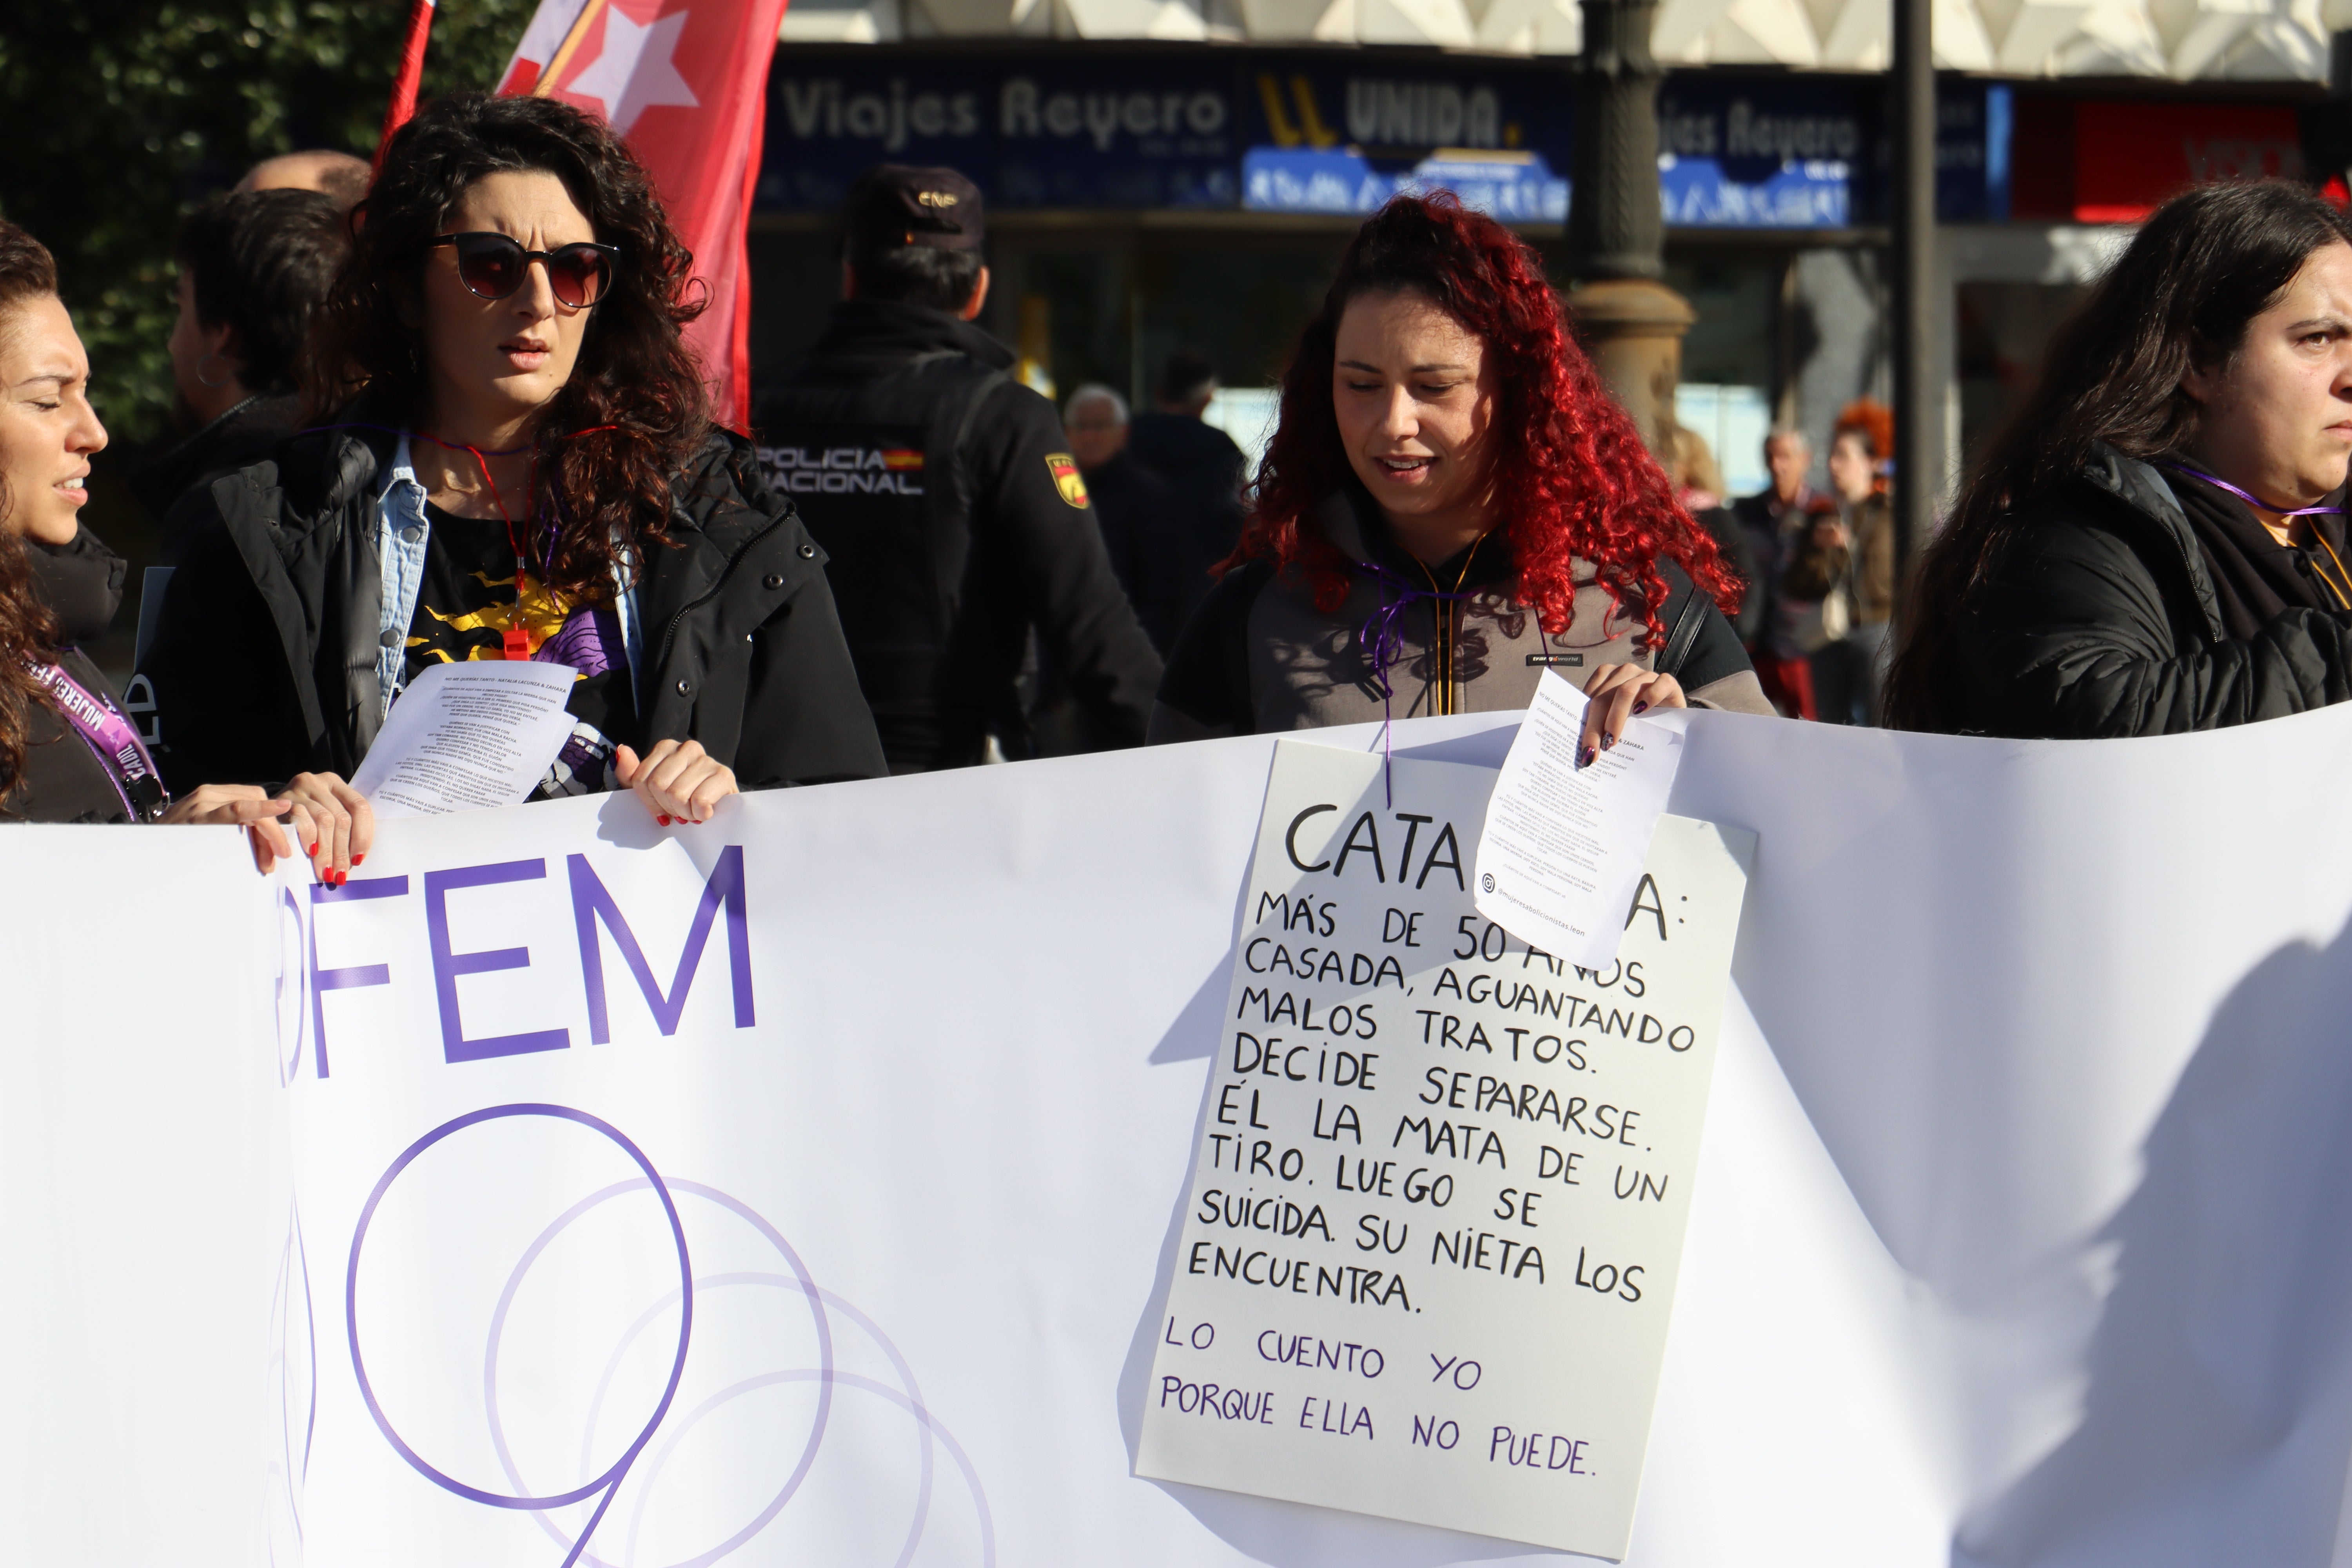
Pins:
<point x="1379" y="638"/>
<point x="2249" y="498"/>
<point x="111" y="739"/>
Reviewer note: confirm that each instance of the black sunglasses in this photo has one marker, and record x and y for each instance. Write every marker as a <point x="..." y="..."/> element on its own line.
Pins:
<point x="493" y="266"/>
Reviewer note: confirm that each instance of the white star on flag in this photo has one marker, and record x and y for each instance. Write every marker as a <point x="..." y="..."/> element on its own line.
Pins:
<point x="635" y="70"/>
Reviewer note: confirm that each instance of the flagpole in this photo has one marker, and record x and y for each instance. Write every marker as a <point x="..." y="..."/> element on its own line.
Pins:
<point x="411" y="70"/>
<point x="572" y="37"/>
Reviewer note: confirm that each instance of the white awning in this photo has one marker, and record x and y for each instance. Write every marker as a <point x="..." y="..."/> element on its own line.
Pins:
<point x="2181" y="41"/>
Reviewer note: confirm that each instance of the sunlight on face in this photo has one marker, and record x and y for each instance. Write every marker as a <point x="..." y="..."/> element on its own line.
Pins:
<point x="48" y="431"/>
<point x="2277" y="418"/>
<point x="494" y="360"/>
<point x="1788" y="456"/>
<point x="1414" y="398"/>
<point x="1852" y="470"/>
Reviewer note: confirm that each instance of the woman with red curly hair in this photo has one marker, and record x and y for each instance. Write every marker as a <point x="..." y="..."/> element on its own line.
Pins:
<point x="1452" y="504"/>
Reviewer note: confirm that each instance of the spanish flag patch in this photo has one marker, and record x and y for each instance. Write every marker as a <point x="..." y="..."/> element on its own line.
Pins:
<point x="1066" y="479"/>
<point x="900" y="460"/>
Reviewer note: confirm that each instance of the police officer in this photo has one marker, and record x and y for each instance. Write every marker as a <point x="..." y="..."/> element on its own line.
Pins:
<point x="945" y="493"/>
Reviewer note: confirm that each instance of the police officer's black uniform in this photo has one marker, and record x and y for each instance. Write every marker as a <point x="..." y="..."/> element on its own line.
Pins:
<point x="955" y="518"/>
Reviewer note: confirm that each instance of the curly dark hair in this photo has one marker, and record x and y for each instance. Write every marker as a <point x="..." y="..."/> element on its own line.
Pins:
<point x="260" y="262"/>
<point x="633" y="412"/>
<point x="27" y="630"/>
<point x="1571" y="475"/>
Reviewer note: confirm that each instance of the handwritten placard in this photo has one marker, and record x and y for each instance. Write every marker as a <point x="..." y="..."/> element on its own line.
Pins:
<point x="1436" y="1212"/>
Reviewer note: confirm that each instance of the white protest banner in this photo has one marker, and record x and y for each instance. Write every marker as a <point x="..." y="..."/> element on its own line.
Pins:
<point x="2018" y="1234"/>
<point x="1437" y="1205"/>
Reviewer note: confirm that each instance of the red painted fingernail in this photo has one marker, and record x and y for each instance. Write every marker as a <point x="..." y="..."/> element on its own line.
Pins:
<point x="309" y="849"/>
<point x="663" y="820"/>
<point x="357" y="859"/>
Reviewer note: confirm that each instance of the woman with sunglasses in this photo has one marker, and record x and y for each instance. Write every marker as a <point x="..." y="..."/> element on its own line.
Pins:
<point x="509" y="456"/>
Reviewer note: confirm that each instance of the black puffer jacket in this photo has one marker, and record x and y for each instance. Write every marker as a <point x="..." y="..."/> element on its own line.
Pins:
<point x="241" y="435"/>
<point x="264" y="663"/>
<point x="2099" y="619"/>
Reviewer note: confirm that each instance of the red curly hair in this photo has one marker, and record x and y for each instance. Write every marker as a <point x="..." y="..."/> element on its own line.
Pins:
<point x="1571" y="478"/>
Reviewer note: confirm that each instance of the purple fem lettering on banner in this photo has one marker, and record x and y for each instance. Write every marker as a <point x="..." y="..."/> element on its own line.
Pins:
<point x="448" y="965"/>
<point x="591" y="901"/>
<point x="325" y="980"/>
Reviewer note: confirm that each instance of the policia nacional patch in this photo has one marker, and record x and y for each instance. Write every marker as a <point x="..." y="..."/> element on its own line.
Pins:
<point x="1066" y="479"/>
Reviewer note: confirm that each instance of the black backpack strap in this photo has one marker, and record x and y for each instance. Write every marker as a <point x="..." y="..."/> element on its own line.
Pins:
<point x="950" y="548"/>
<point x="980" y="392"/>
<point x="1685" y="618"/>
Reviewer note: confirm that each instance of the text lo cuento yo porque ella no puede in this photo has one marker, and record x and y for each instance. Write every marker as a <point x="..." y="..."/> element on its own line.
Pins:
<point x="1437" y="1205"/>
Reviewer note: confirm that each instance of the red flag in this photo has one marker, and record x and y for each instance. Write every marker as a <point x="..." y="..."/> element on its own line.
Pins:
<point x="404" y="80"/>
<point x="685" y="81"/>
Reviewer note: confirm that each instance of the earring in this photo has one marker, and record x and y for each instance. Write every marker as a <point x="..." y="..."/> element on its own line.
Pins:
<point x="208" y="381"/>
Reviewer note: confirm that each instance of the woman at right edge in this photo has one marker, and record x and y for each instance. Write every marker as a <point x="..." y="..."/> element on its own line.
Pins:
<point x="2155" y="543"/>
<point x="1450" y="504"/>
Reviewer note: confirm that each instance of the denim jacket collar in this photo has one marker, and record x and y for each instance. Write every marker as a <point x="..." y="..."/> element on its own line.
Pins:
<point x="402" y="535"/>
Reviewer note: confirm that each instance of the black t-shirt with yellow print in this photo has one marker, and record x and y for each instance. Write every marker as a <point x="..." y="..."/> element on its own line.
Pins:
<point x="466" y="605"/>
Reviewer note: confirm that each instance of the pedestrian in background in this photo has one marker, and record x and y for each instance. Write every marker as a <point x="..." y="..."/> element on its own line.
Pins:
<point x="1843" y="563"/>
<point x="338" y="176"/>
<point x="1452" y="504"/>
<point x="1772" y="521"/>
<point x="1698" y="487"/>
<point x="2155" y="543"/>
<point x="1143" y="519"/>
<point x="1200" y="460"/>
<point x="67" y="751"/>
<point x="511" y="459"/>
<point x="946" y="495"/>
<point x="254" y="270"/>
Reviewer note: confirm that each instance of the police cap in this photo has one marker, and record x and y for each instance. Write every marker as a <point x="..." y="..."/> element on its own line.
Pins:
<point x="891" y="205"/>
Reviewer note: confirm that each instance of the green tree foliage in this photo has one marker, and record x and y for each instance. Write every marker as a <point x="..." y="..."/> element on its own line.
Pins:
<point x="125" y="113"/>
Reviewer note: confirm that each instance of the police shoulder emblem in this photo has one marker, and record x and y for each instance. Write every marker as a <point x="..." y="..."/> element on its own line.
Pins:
<point x="1066" y="479"/>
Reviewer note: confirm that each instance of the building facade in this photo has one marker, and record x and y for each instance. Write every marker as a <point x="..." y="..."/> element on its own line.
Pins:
<point x="1166" y="174"/>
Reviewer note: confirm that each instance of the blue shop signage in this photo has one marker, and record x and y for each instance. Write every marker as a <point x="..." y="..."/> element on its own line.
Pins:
<point x="1344" y="136"/>
<point x="1342" y="131"/>
<point x="1737" y="154"/>
<point x="1042" y="130"/>
<point x="1812" y="152"/>
<point x="1517" y="187"/>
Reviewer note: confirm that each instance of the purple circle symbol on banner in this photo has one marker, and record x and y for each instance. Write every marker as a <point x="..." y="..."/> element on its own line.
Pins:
<point x="801" y="1281"/>
<point x="640" y="1463"/>
<point x="609" y="1482"/>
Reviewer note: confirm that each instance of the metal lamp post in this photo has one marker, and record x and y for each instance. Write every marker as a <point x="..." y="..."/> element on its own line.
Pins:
<point x="1918" y="409"/>
<point x="1631" y="322"/>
